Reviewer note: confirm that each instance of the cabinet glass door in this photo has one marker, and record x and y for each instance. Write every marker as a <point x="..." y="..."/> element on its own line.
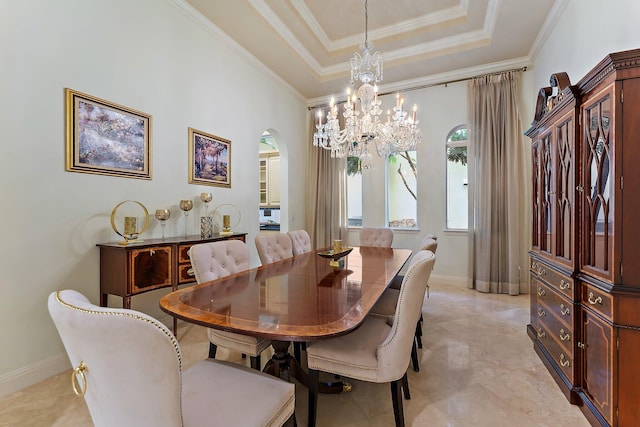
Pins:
<point x="546" y="194"/>
<point x="565" y="187"/>
<point x="535" y="200"/>
<point x="596" y="186"/>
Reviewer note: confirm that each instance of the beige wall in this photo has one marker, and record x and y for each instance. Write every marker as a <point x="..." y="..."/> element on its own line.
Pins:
<point x="148" y="55"/>
<point x="586" y="31"/>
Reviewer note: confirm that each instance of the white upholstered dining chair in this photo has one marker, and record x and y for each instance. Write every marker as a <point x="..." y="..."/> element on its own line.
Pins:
<point x="128" y="367"/>
<point x="211" y="261"/>
<point x="379" y="237"/>
<point x="379" y="350"/>
<point x="386" y="305"/>
<point x="300" y="241"/>
<point x="273" y="247"/>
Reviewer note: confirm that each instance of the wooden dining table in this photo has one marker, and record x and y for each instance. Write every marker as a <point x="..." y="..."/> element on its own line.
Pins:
<point x="298" y="299"/>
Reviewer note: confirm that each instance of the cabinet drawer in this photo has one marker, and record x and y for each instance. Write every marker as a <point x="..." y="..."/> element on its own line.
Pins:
<point x="555" y="328"/>
<point x="597" y="300"/>
<point x="150" y="268"/>
<point x="563" y="359"/>
<point x="183" y="253"/>
<point x="185" y="274"/>
<point x="560" y="306"/>
<point x="562" y="283"/>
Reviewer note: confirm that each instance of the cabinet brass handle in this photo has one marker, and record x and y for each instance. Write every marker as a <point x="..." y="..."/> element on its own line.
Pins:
<point x="564" y="310"/>
<point x="564" y="361"/>
<point x="564" y="336"/>
<point x="580" y="345"/>
<point x="541" y="292"/>
<point x="579" y="188"/>
<point x="152" y="252"/>
<point x="190" y="272"/>
<point x="564" y="285"/>
<point x="534" y="265"/>
<point x="79" y="386"/>
<point x="542" y="271"/>
<point x="541" y="313"/>
<point x="541" y="334"/>
<point x="594" y="301"/>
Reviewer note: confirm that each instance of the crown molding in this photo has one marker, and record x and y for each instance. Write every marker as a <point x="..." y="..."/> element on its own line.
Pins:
<point x="435" y="18"/>
<point x="438" y="79"/>
<point x="547" y="27"/>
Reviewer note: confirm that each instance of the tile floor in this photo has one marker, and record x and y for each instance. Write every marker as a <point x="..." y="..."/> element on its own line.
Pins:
<point x="478" y="368"/>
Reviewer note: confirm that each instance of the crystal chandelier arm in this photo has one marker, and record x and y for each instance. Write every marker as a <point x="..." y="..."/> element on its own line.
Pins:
<point x="398" y="133"/>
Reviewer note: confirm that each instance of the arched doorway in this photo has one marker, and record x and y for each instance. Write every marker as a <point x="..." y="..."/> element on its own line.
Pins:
<point x="269" y="181"/>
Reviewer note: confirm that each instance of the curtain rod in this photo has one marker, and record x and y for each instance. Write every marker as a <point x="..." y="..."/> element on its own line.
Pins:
<point x="523" y="69"/>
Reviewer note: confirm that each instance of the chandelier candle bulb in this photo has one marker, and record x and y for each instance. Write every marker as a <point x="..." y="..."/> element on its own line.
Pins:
<point x="226" y="221"/>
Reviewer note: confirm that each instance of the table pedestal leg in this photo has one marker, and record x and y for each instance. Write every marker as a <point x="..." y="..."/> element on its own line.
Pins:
<point x="285" y="366"/>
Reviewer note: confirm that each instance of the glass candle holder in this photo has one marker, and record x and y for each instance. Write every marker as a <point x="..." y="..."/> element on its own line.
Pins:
<point x="163" y="216"/>
<point x="186" y="206"/>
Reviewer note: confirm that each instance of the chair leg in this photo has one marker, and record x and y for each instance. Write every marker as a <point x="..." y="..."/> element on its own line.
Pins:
<point x="314" y="380"/>
<point x="255" y="362"/>
<point x="212" y="350"/>
<point x="418" y="334"/>
<point x="396" y="397"/>
<point x="405" y="387"/>
<point x="414" y="357"/>
<point x="296" y="350"/>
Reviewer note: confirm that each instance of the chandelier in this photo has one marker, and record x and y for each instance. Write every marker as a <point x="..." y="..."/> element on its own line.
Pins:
<point x="363" y="127"/>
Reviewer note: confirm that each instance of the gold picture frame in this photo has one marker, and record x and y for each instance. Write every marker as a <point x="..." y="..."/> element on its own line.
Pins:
<point x="209" y="159"/>
<point x="106" y="138"/>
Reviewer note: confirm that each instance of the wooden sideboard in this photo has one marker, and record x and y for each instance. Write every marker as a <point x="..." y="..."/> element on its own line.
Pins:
<point x="128" y="270"/>
<point x="585" y="279"/>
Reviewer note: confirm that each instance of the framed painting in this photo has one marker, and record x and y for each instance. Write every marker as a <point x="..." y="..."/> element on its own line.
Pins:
<point x="209" y="159"/>
<point x="106" y="138"/>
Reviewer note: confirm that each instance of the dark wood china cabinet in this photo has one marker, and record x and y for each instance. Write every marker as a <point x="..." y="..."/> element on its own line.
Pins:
<point x="585" y="278"/>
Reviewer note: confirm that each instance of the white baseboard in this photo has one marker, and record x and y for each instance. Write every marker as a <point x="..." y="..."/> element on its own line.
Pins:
<point x="449" y="280"/>
<point x="29" y="375"/>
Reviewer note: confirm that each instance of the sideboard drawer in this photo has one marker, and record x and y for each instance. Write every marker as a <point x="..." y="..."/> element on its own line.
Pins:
<point x="597" y="300"/>
<point x="561" y="282"/>
<point x="562" y="358"/>
<point x="560" y="306"/>
<point x="186" y="274"/>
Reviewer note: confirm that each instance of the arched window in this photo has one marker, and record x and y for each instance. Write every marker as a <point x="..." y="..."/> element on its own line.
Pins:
<point x="402" y="194"/>
<point x="354" y="192"/>
<point x="457" y="184"/>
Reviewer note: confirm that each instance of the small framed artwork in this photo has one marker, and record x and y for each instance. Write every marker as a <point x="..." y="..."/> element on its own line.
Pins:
<point x="209" y="159"/>
<point x="106" y="138"/>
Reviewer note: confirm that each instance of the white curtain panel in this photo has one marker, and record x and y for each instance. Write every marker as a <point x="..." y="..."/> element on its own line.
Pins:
<point x="499" y="177"/>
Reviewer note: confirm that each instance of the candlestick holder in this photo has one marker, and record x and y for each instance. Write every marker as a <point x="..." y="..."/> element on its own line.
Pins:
<point x="206" y="198"/>
<point x="130" y="232"/>
<point x="228" y="216"/>
<point x="163" y="216"/>
<point x="186" y="206"/>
